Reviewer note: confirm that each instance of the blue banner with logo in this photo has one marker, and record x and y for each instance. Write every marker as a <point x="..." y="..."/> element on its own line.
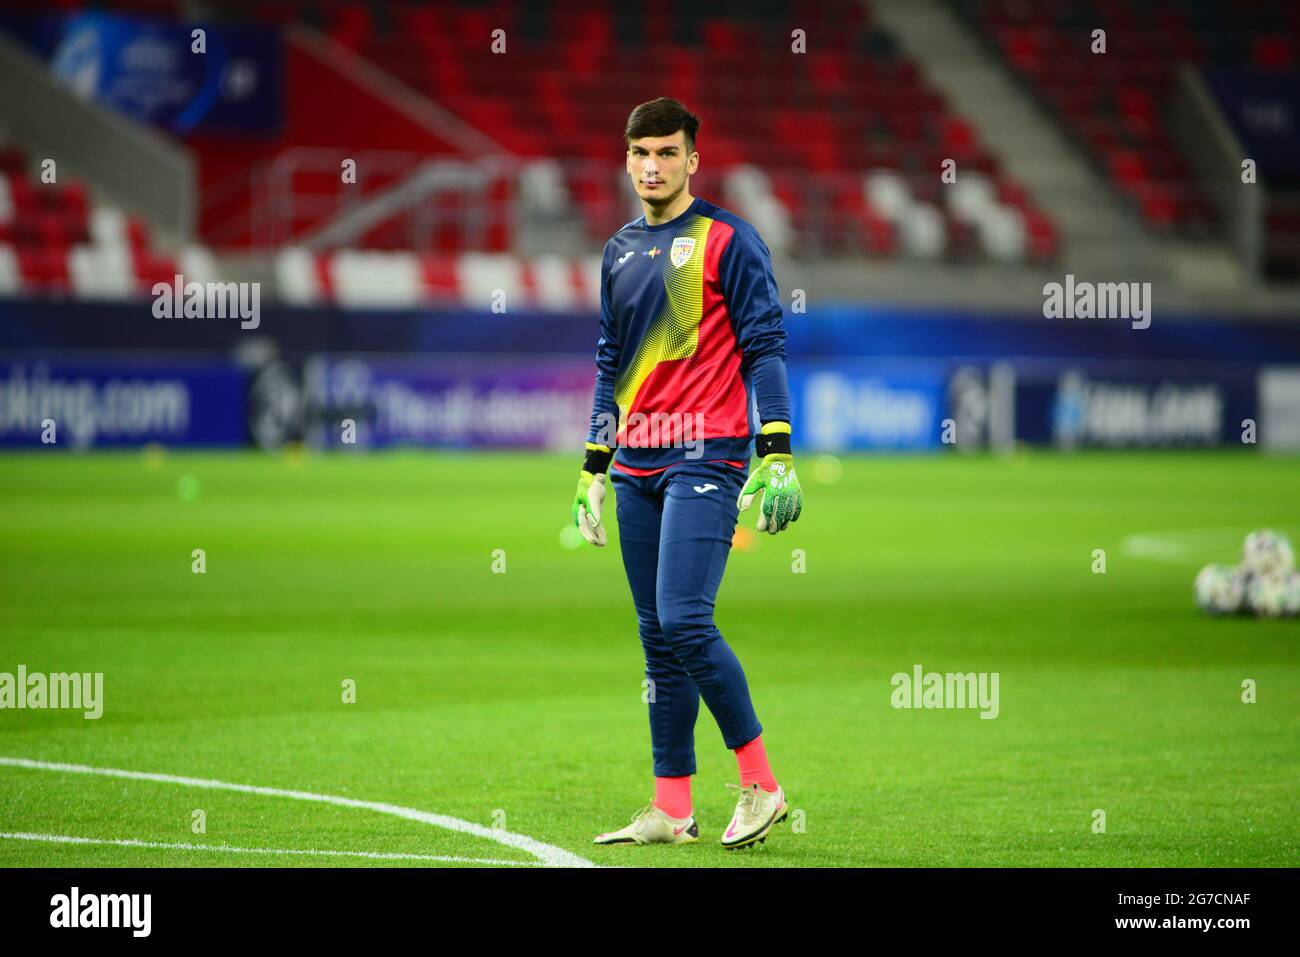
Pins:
<point x="1103" y="405"/>
<point x="867" y="404"/>
<point x="466" y="402"/>
<point x="186" y="77"/>
<point x="1263" y="107"/>
<point x="99" y="402"/>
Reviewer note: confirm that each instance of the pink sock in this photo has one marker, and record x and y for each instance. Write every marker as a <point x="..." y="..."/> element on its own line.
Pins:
<point x="752" y="759"/>
<point x="673" y="796"/>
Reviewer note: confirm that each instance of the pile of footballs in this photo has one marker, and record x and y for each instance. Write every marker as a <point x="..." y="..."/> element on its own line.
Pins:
<point x="1265" y="584"/>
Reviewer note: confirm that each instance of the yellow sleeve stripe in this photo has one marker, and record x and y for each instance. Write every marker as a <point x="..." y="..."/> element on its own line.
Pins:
<point x="593" y="447"/>
<point x="770" y="427"/>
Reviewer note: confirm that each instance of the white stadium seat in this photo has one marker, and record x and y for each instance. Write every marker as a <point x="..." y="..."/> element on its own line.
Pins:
<point x="887" y="193"/>
<point x="590" y="270"/>
<point x="296" y="281"/>
<point x="553" y="276"/>
<point x="971" y="197"/>
<point x="197" y="265"/>
<point x="482" y="275"/>
<point x="108" y="226"/>
<point x="11" y="280"/>
<point x="376" y="279"/>
<point x="101" y="272"/>
<point x="922" y="231"/>
<point x="1002" y="230"/>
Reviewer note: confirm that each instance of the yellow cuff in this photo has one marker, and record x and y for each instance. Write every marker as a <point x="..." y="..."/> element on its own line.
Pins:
<point x="771" y="427"/>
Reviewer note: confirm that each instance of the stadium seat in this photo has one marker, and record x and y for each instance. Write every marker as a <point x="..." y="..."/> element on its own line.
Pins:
<point x="483" y="276"/>
<point x="364" y="278"/>
<point x="101" y="272"/>
<point x="11" y="280"/>
<point x="296" y="278"/>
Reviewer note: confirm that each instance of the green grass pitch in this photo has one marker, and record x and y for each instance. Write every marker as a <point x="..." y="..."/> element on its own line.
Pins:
<point x="514" y="699"/>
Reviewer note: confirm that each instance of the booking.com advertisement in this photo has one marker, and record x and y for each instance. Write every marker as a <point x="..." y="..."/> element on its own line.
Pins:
<point x="101" y="402"/>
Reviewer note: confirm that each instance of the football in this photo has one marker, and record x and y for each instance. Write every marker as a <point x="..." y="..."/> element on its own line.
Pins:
<point x="1220" y="589"/>
<point x="1267" y="594"/>
<point x="1291" y="594"/>
<point x="1266" y="551"/>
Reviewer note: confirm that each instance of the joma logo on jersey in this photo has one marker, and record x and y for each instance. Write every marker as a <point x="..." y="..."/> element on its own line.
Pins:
<point x="683" y="248"/>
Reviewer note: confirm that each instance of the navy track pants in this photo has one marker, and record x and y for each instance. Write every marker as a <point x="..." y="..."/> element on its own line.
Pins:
<point x="675" y="530"/>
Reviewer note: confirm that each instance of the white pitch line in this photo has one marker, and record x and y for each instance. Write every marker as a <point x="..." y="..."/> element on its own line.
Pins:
<point x="1154" y="547"/>
<point x="1183" y="545"/>
<point x="228" y="849"/>
<point x="546" y="853"/>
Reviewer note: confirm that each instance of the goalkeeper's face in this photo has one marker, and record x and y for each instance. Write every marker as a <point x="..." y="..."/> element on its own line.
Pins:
<point x="660" y="167"/>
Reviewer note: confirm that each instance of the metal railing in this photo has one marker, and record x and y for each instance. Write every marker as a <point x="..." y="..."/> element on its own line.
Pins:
<point x="421" y="203"/>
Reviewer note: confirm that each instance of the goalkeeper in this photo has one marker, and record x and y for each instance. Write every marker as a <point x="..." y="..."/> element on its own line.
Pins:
<point x="690" y="336"/>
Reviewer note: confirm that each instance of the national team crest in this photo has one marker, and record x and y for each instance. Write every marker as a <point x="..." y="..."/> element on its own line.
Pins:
<point x="683" y="249"/>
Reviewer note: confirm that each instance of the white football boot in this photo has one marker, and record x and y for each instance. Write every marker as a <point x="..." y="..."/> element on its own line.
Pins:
<point x="756" y="812"/>
<point x="650" y="825"/>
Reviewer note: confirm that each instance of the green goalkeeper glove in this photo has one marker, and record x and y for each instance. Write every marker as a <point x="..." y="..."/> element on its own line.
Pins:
<point x="775" y="478"/>
<point x="590" y="498"/>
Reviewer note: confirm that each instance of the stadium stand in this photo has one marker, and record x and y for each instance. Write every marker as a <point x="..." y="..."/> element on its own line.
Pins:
<point x="839" y="160"/>
<point x="810" y="158"/>
<point x="54" y="240"/>
<point x="836" y="161"/>
<point x="1116" y="104"/>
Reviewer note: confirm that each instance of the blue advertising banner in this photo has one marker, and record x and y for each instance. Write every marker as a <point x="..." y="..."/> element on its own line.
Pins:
<point x="1263" y="107"/>
<point x="498" y="402"/>
<point x="182" y="76"/>
<point x="866" y="404"/>
<point x="449" y="402"/>
<point x="861" y="378"/>
<point x="523" y="402"/>
<point x="851" y="329"/>
<point x="1117" y="405"/>
<point x="98" y="402"/>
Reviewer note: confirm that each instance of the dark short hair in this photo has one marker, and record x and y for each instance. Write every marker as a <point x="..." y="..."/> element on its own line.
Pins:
<point x="662" y="117"/>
